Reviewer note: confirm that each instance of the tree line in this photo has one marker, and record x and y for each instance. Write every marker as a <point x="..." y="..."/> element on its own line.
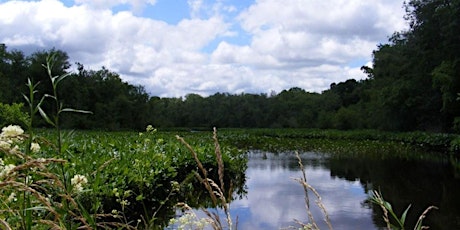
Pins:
<point x="413" y="84"/>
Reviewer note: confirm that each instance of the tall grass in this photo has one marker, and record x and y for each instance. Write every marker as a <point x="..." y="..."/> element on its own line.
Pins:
<point x="219" y="196"/>
<point x="312" y="224"/>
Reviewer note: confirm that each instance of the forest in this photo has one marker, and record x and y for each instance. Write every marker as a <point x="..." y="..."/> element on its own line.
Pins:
<point x="413" y="84"/>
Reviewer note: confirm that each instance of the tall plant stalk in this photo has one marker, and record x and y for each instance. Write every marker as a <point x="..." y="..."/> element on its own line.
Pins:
<point x="26" y="205"/>
<point x="55" y="121"/>
<point x="307" y="187"/>
<point x="216" y="192"/>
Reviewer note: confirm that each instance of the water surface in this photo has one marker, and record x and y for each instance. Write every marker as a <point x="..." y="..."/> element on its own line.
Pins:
<point x="274" y="199"/>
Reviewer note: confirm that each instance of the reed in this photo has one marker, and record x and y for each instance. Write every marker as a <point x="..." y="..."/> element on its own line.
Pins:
<point x="307" y="188"/>
<point x="217" y="193"/>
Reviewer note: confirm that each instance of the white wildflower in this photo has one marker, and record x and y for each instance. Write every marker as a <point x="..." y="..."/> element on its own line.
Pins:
<point x="189" y="221"/>
<point x="12" y="131"/>
<point x="150" y="128"/>
<point x="5" y="170"/>
<point x="4" y="145"/>
<point x="35" y="147"/>
<point x="124" y="202"/>
<point x="78" y="181"/>
<point x="12" y="197"/>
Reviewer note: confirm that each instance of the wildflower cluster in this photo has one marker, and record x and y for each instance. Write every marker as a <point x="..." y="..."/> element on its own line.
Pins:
<point x="10" y="135"/>
<point x="78" y="181"/>
<point x="150" y="129"/>
<point x="122" y="198"/>
<point x="5" y="169"/>
<point x="188" y="220"/>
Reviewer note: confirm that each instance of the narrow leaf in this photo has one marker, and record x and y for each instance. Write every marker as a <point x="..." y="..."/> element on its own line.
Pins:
<point x="27" y="99"/>
<point x="48" y="95"/>
<point x="62" y="77"/>
<point x="47" y="119"/>
<point x="403" y="216"/>
<point x="75" y="110"/>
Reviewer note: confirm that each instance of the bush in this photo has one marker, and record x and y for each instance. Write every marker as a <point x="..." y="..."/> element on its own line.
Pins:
<point x="12" y="114"/>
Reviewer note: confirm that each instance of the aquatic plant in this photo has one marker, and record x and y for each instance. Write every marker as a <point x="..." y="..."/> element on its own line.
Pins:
<point x="389" y="215"/>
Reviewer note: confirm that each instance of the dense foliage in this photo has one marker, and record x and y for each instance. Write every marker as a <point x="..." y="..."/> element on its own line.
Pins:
<point x="412" y="85"/>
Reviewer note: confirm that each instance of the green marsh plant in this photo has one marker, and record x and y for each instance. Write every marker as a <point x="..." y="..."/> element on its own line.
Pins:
<point x="33" y="195"/>
<point x="58" y="105"/>
<point x="390" y="217"/>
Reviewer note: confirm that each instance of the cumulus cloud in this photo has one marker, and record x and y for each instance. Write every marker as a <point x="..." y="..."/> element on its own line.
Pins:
<point x="136" y="5"/>
<point x="267" y="45"/>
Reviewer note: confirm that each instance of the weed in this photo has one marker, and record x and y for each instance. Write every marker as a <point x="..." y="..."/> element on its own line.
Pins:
<point x="307" y="187"/>
<point x="215" y="191"/>
<point x="389" y="214"/>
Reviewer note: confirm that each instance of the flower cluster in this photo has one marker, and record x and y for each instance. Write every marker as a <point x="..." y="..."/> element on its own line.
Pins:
<point x="9" y="135"/>
<point x="35" y="148"/>
<point x="122" y="198"/>
<point x="12" y="131"/>
<point x="78" y="181"/>
<point x="150" y="129"/>
<point x="13" y="134"/>
<point x="5" y="169"/>
<point x="189" y="220"/>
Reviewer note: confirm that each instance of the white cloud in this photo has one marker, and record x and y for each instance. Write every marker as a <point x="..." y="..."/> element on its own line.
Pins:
<point x="136" y="5"/>
<point x="308" y="44"/>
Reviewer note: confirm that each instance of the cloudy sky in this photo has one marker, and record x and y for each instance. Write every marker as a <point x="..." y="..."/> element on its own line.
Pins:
<point x="177" y="47"/>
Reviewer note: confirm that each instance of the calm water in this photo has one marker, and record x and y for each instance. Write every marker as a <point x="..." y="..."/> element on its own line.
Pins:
<point x="274" y="199"/>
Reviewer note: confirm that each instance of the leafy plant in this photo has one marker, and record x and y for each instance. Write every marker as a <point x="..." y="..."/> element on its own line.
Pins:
<point x="12" y="114"/>
<point x="389" y="215"/>
<point x="59" y="107"/>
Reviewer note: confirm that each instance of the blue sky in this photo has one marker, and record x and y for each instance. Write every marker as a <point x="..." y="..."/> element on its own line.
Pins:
<point x="178" y="47"/>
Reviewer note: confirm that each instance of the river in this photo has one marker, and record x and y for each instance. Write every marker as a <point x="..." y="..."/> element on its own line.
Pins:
<point x="274" y="199"/>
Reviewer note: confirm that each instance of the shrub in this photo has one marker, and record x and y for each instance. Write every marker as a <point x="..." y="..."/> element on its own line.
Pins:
<point x="12" y="114"/>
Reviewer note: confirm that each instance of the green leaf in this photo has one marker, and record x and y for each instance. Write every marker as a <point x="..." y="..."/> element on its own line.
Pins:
<point x="60" y="78"/>
<point x="26" y="98"/>
<point x="75" y="110"/>
<point x="139" y="197"/>
<point x="47" y="119"/>
<point x="403" y="216"/>
<point x="387" y="205"/>
<point x="37" y="208"/>
<point x="48" y="95"/>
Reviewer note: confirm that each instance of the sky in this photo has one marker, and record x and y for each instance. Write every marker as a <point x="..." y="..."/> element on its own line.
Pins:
<point x="179" y="47"/>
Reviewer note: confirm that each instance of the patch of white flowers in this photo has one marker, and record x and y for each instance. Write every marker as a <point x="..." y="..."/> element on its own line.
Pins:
<point x="189" y="221"/>
<point x="35" y="148"/>
<point x="14" y="134"/>
<point x="5" y="169"/>
<point x="78" y="181"/>
<point x="12" y="131"/>
<point x="9" y="135"/>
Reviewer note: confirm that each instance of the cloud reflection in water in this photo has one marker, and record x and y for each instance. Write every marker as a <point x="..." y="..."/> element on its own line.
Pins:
<point x="274" y="199"/>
